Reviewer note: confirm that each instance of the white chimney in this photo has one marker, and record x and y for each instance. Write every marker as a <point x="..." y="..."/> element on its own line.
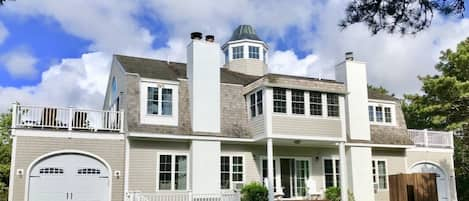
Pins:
<point x="203" y="71"/>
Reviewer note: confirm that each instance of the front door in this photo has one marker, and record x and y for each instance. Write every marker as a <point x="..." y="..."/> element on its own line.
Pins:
<point x="287" y="176"/>
<point x="291" y="177"/>
<point x="69" y="177"/>
<point x="441" y="179"/>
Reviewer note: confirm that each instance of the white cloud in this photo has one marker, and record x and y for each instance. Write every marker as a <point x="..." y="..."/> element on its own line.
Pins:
<point x="286" y="62"/>
<point x="20" y="63"/>
<point x="76" y="82"/>
<point x="3" y="33"/>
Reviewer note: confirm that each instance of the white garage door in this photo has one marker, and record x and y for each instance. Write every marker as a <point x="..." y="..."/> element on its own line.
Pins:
<point x="69" y="177"/>
<point x="441" y="179"/>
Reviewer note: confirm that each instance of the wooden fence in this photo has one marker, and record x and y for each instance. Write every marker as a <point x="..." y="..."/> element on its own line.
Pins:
<point x="413" y="187"/>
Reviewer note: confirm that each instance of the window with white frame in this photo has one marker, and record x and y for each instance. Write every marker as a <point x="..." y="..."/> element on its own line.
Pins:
<point x="333" y="105"/>
<point x="172" y="173"/>
<point x="238" y="52"/>
<point x="315" y="103"/>
<point x="280" y="100"/>
<point x="253" y="52"/>
<point x="159" y="101"/>
<point x="380" y="174"/>
<point x="265" y="173"/>
<point x="227" y="56"/>
<point x="232" y="171"/>
<point x="255" y="103"/>
<point x="381" y="113"/>
<point x="298" y="101"/>
<point x="331" y="172"/>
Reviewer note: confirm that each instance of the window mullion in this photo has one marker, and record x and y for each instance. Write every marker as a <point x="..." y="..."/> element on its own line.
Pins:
<point x="173" y="172"/>
<point x="160" y="101"/>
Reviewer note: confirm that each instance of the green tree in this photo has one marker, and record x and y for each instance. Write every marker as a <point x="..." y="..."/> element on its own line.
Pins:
<point x="5" y="154"/>
<point x="405" y="17"/>
<point x="380" y="90"/>
<point x="444" y="104"/>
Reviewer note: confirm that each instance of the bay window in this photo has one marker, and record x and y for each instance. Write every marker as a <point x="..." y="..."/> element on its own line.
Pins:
<point x="280" y="100"/>
<point x="298" y="101"/>
<point x="332" y="105"/>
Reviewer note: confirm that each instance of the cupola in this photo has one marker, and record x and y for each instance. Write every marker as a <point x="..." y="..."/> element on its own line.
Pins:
<point x="245" y="52"/>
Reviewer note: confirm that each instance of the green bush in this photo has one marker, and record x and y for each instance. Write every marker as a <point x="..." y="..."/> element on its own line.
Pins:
<point x="254" y="191"/>
<point x="333" y="193"/>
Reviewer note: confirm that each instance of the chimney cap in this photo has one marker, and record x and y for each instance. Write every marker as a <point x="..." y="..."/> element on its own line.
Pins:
<point x="196" y="35"/>
<point x="210" y="38"/>
<point x="349" y="56"/>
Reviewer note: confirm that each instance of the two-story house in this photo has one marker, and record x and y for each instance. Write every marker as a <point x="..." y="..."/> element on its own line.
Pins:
<point x="201" y="130"/>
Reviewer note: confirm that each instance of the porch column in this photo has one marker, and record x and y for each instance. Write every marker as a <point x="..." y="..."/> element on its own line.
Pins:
<point x="343" y="173"/>
<point x="270" y="168"/>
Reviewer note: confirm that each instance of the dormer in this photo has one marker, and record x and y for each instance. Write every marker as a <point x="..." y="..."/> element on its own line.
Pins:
<point x="245" y="52"/>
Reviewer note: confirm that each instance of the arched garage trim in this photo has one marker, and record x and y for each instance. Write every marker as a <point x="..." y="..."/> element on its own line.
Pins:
<point x="60" y="152"/>
<point x="437" y="165"/>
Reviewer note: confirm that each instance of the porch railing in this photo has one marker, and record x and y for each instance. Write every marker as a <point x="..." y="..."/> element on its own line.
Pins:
<point x="428" y="138"/>
<point x="25" y="116"/>
<point x="182" y="196"/>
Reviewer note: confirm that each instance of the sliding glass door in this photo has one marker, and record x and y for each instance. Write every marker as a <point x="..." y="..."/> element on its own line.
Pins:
<point x="292" y="175"/>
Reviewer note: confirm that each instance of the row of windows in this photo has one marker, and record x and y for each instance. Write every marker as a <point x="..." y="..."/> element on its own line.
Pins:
<point x="172" y="173"/>
<point x="238" y="52"/>
<point x="375" y="114"/>
<point x="332" y="173"/>
<point x="298" y="102"/>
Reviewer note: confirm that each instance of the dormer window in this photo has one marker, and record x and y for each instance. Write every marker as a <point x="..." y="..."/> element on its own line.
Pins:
<point x="253" y="52"/>
<point x="159" y="103"/>
<point x="380" y="113"/>
<point x="238" y="52"/>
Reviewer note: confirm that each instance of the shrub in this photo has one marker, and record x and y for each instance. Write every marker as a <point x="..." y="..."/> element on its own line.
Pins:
<point x="333" y="193"/>
<point x="254" y="191"/>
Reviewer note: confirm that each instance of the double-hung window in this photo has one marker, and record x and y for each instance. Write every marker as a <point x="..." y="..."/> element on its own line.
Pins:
<point x="379" y="114"/>
<point x="227" y="56"/>
<point x="255" y="103"/>
<point x="280" y="100"/>
<point x="298" y="101"/>
<point x="380" y="174"/>
<point x="315" y="103"/>
<point x="331" y="172"/>
<point x="387" y="114"/>
<point x="232" y="171"/>
<point x="238" y="52"/>
<point x="253" y="52"/>
<point x="172" y="173"/>
<point x="333" y="105"/>
<point x="159" y="101"/>
<point x="371" y="113"/>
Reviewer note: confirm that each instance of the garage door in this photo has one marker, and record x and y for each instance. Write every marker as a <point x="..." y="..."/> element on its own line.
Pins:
<point x="69" y="177"/>
<point x="441" y="180"/>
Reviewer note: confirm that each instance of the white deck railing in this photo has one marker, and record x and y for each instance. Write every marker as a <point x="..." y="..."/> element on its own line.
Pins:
<point x="182" y="196"/>
<point x="66" y="118"/>
<point x="427" y="138"/>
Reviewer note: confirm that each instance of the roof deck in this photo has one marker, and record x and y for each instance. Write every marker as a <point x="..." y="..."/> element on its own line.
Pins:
<point x="431" y="139"/>
<point x="46" y="117"/>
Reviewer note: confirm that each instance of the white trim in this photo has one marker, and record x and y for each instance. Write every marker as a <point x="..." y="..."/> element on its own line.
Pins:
<point x="66" y="151"/>
<point x="12" y="169"/>
<point x="430" y="149"/>
<point x="381" y="101"/>
<point x="173" y="155"/>
<point x="159" y="81"/>
<point x="307" y="137"/>
<point x="392" y="107"/>
<point x="377" y="173"/>
<point x="268" y="106"/>
<point x="126" y="166"/>
<point x="351" y="144"/>
<point x="68" y="134"/>
<point x="189" y="137"/>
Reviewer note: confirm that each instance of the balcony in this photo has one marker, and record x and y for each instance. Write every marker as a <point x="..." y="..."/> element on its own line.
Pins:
<point x="39" y="117"/>
<point x="432" y="139"/>
<point x="182" y="196"/>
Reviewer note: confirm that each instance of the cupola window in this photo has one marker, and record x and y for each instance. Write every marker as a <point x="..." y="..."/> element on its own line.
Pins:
<point x="238" y="52"/>
<point x="253" y="52"/>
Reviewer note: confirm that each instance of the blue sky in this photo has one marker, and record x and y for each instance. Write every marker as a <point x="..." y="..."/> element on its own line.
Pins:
<point x="57" y="52"/>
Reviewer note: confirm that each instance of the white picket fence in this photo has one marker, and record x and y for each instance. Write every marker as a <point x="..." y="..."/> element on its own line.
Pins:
<point x="25" y="116"/>
<point x="182" y="196"/>
<point x="428" y="138"/>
